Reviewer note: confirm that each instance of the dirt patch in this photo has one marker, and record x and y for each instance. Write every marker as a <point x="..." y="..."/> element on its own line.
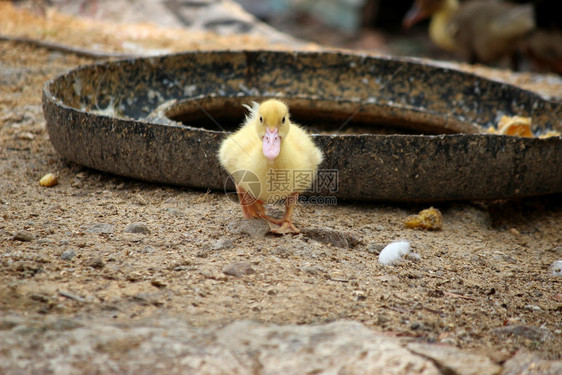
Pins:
<point x="482" y="282"/>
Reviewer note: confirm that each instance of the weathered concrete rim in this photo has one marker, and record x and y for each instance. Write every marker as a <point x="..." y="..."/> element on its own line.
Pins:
<point x="99" y="116"/>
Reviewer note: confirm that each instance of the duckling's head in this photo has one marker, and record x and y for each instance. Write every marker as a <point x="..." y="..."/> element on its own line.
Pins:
<point x="272" y="125"/>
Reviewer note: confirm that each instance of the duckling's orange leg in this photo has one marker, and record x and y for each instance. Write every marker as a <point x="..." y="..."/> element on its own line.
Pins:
<point x="251" y="207"/>
<point x="286" y="223"/>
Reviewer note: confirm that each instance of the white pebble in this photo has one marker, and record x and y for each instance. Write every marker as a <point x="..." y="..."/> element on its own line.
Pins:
<point x="394" y="252"/>
<point x="556" y="268"/>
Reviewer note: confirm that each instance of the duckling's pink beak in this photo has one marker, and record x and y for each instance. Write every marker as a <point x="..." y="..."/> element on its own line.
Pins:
<point x="271" y="143"/>
<point x="414" y="15"/>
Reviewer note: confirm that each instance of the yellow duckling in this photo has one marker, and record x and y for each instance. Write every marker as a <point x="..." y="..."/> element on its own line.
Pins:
<point x="270" y="159"/>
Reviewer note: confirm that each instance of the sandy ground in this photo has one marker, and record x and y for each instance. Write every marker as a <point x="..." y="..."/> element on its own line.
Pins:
<point x="482" y="282"/>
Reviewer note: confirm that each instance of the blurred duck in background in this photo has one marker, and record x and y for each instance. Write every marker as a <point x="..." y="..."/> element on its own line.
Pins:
<point x="479" y="31"/>
<point x="544" y="45"/>
<point x="489" y="31"/>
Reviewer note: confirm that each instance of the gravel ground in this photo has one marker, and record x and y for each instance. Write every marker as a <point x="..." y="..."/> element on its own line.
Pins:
<point x="97" y="247"/>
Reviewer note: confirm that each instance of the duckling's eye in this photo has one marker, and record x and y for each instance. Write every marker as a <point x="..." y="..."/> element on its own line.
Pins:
<point x="261" y="119"/>
<point x="283" y="120"/>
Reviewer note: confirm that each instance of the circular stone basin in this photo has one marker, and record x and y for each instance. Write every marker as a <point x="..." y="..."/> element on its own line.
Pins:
<point x="390" y="129"/>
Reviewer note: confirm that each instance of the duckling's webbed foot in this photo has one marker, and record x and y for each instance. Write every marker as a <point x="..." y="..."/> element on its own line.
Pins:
<point x="287" y="227"/>
<point x="284" y="225"/>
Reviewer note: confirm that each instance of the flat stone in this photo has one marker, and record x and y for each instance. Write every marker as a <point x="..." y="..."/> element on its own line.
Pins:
<point x="101" y="228"/>
<point x="94" y="263"/>
<point x="451" y="360"/>
<point x="68" y="255"/>
<point x="333" y="237"/>
<point x="531" y="364"/>
<point x="281" y="252"/>
<point x="250" y="227"/>
<point x="147" y="347"/>
<point x="223" y="244"/>
<point x="375" y="248"/>
<point x="313" y="270"/>
<point x="137" y="228"/>
<point x="158" y="283"/>
<point x="148" y="249"/>
<point x="23" y="236"/>
<point x="238" y="269"/>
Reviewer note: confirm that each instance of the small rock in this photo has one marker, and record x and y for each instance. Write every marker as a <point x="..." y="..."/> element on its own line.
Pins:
<point x="531" y="364"/>
<point x="137" y="228"/>
<point x="174" y="212"/>
<point x="429" y="219"/>
<point x="375" y="248"/>
<point x="148" y="249"/>
<point x="68" y="255"/>
<point x="212" y="274"/>
<point x="556" y="268"/>
<point x="94" y="263"/>
<point x="360" y="295"/>
<point x="40" y="297"/>
<point x="27" y="268"/>
<point x="413" y="256"/>
<point x="158" y="283"/>
<point x="333" y="237"/>
<point x="101" y="228"/>
<point x="415" y="326"/>
<point x="353" y="238"/>
<point x="138" y="199"/>
<point x="23" y="236"/>
<point x="76" y="183"/>
<point x="501" y="257"/>
<point x="435" y="293"/>
<point x="449" y="341"/>
<point x="313" y="270"/>
<point x="250" y="227"/>
<point x="71" y="296"/>
<point x="223" y="244"/>
<point x="26" y="136"/>
<point x="281" y="252"/>
<point x="49" y="180"/>
<point x="238" y="269"/>
<point x="134" y="277"/>
<point x="394" y="252"/>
